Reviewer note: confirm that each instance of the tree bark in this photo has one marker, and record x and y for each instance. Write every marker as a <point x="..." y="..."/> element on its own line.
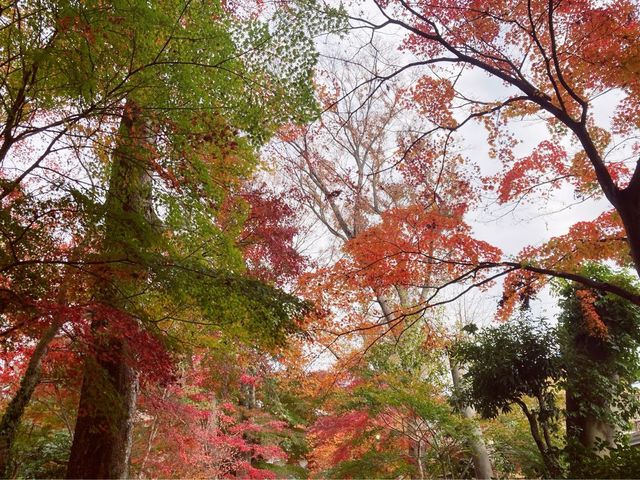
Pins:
<point x="587" y="433"/>
<point x="548" y="457"/>
<point x="13" y="413"/>
<point x="586" y="430"/>
<point x="419" y="459"/>
<point x="479" y="452"/>
<point x="628" y="206"/>
<point x="102" y="438"/>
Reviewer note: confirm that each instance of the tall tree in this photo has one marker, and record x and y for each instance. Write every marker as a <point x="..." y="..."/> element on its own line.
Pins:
<point x="342" y="169"/>
<point x="599" y="342"/>
<point x="556" y="58"/>
<point x="591" y="354"/>
<point x="102" y="436"/>
<point x="161" y="106"/>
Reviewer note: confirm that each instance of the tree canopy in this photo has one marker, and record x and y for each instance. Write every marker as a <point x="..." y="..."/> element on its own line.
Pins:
<point x="303" y="239"/>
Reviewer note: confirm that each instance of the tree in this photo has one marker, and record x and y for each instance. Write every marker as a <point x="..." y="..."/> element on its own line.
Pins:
<point x="139" y="102"/>
<point x="387" y="421"/>
<point x="599" y="341"/>
<point x="202" y="424"/>
<point x="591" y="355"/>
<point x="342" y="169"/>
<point x="555" y="58"/>
<point x="508" y="364"/>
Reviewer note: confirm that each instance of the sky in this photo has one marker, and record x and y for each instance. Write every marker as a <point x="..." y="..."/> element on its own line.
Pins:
<point x="508" y="227"/>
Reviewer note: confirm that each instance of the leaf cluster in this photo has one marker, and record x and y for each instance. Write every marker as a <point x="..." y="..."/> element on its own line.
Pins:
<point x="507" y="363"/>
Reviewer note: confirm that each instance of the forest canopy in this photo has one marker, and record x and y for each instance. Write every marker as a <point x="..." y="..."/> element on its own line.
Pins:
<point x="307" y="239"/>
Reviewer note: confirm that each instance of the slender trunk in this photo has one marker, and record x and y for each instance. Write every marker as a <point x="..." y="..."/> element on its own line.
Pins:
<point x="419" y="458"/>
<point x="543" y="425"/>
<point x="153" y="430"/>
<point x="415" y="443"/>
<point x="479" y="452"/>
<point x="13" y="413"/>
<point x="102" y="438"/>
<point x="548" y="457"/>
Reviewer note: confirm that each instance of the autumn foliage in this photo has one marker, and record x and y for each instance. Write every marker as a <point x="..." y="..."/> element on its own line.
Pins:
<point x="226" y="253"/>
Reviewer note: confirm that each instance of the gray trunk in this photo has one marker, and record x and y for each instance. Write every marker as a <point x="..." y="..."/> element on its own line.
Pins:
<point x="479" y="452"/>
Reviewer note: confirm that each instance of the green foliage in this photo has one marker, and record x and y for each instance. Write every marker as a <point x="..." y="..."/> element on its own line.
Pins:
<point x="176" y="59"/>
<point x="209" y="85"/>
<point x="287" y="470"/>
<point x="621" y="462"/>
<point x="516" y="363"/>
<point x="209" y="300"/>
<point x="406" y="359"/>
<point x="374" y="464"/>
<point x="288" y="403"/>
<point x="592" y="354"/>
<point x="513" y="451"/>
<point x="41" y="452"/>
<point x="603" y="356"/>
<point x="507" y="363"/>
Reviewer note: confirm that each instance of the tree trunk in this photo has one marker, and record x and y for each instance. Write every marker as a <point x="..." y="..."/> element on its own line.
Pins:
<point x="415" y="443"/>
<point x="13" y="413"/>
<point x="102" y="438"/>
<point x="548" y="456"/>
<point x="479" y="452"/>
<point x="587" y="430"/>
<point x="153" y="431"/>
<point x="629" y="209"/>
<point x="419" y="459"/>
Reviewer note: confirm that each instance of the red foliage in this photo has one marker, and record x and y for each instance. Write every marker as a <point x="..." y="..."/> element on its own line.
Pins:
<point x="595" y="326"/>
<point x="268" y="237"/>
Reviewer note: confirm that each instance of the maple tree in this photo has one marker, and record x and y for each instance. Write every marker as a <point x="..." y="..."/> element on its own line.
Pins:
<point x="556" y="59"/>
<point x="342" y="170"/>
<point x="391" y="417"/>
<point x="206" y="424"/>
<point x="268" y="236"/>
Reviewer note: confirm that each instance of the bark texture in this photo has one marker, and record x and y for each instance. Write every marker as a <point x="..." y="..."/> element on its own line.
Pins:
<point x="102" y="438"/>
<point x="587" y="432"/>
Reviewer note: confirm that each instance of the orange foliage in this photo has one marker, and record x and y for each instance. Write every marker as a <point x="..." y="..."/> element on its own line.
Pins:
<point x="598" y="240"/>
<point x="595" y="326"/>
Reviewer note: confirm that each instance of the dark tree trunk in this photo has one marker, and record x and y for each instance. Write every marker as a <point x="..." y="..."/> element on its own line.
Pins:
<point x="102" y="438"/>
<point x="13" y="413"/>
<point x="628" y="206"/>
<point x="548" y="456"/>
